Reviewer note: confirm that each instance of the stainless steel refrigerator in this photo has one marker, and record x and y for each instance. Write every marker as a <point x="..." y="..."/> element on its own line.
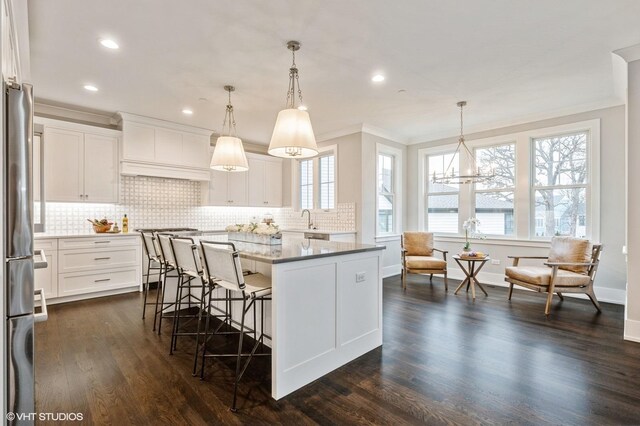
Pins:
<point x="17" y="250"/>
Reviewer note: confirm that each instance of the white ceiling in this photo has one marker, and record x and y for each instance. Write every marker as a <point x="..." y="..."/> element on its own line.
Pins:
<point x="512" y="60"/>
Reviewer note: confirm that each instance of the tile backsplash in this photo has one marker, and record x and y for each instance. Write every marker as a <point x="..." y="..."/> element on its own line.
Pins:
<point x="162" y="203"/>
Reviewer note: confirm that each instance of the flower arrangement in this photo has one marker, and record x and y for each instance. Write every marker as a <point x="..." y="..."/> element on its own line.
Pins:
<point x="471" y="226"/>
<point x="260" y="233"/>
<point x="254" y="228"/>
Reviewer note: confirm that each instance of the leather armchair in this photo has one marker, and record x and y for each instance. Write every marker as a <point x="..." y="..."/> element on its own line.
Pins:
<point x="570" y="268"/>
<point x="418" y="257"/>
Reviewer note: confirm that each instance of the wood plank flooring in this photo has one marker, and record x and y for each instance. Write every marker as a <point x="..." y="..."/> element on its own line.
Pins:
<point x="445" y="360"/>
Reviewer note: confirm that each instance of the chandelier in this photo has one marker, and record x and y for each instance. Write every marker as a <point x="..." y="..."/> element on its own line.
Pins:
<point x="228" y="155"/>
<point x="293" y="135"/>
<point x="473" y="174"/>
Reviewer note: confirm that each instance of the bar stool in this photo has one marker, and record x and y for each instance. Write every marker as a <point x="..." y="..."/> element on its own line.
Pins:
<point x="223" y="268"/>
<point x="169" y="262"/>
<point x="190" y="277"/>
<point x="153" y="264"/>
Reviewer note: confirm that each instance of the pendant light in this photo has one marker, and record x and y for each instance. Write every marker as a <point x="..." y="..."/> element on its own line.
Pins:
<point x="228" y="155"/>
<point x="293" y="135"/>
<point x="473" y="173"/>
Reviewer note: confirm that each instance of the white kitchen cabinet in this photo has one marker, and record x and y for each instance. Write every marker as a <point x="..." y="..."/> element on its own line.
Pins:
<point x="47" y="278"/>
<point x="63" y="165"/>
<point x="100" y="169"/>
<point x="80" y="166"/>
<point x="228" y="189"/>
<point x="265" y="181"/>
<point x="88" y="266"/>
<point x="260" y="186"/>
<point x="139" y="142"/>
<point x="159" y="148"/>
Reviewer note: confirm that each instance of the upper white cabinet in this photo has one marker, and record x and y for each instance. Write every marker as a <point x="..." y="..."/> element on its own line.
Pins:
<point x="228" y="189"/>
<point x="80" y="163"/>
<point x="260" y="186"/>
<point x="265" y="181"/>
<point x="153" y="147"/>
<point x="15" y="40"/>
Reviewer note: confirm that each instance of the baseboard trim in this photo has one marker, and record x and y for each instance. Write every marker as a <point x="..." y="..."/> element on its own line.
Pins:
<point x="632" y="330"/>
<point x="391" y="270"/>
<point x="604" y="294"/>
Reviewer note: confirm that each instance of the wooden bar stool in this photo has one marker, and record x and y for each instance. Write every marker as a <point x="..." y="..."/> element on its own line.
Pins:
<point x="223" y="269"/>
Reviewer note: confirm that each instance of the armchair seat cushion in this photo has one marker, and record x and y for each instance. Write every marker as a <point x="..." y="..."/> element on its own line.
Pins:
<point x="425" y="262"/>
<point x="541" y="275"/>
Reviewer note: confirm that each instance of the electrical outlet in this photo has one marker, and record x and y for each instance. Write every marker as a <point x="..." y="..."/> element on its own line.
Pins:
<point x="495" y="261"/>
<point x="361" y="276"/>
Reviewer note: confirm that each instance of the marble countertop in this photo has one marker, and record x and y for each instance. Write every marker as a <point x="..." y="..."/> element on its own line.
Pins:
<point x="88" y="234"/>
<point x="317" y="231"/>
<point x="292" y="249"/>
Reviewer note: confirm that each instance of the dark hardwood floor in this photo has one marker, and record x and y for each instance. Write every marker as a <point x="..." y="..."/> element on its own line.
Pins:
<point x="445" y="360"/>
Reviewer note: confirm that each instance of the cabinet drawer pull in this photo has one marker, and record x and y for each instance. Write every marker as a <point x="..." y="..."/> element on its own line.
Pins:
<point x="101" y="258"/>
<point x="102" y="242"/>
<point x="102" y="280"/>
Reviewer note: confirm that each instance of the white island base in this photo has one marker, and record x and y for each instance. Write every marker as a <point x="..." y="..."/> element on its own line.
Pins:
<point x="326" y="309"/>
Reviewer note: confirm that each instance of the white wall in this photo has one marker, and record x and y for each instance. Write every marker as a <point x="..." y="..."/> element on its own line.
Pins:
<point x="611" y="280"/>
<point x="632" y="323"/>
<point x="357" y="156"/>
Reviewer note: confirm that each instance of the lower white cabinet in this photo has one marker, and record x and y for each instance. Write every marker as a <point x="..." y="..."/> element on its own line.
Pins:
<point x="83" y="283"/>
<point x="89" y="266"/>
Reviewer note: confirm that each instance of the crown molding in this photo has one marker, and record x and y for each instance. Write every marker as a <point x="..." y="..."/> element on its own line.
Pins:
<point x="362" y="128"/>
<point x="629" y="54"/>
<point x="526" y="119"/>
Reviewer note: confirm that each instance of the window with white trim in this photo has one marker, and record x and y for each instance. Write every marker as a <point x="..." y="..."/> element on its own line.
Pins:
<point x="442" y="200"/>
<point x="327" y="179"/>
<point x="493" y="199"/>
<point x="386" y="194"/>
<point x="560" y="184"/>
<point x="547" y="183"/>
<point x="317" y="180"/>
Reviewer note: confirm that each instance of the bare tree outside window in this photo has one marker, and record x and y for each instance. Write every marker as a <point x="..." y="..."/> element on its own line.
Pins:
<point x="494" y="205"/>
<point x="560" y="184"/>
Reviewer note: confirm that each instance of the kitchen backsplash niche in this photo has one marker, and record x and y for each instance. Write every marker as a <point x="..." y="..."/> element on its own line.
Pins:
<point x="164" y="203"/>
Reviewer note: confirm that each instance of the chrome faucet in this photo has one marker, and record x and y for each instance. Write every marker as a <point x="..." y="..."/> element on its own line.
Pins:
<point x="309" y="224"/>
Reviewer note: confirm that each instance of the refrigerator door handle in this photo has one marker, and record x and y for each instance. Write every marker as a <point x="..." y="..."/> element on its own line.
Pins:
<point x="43" y="315"/>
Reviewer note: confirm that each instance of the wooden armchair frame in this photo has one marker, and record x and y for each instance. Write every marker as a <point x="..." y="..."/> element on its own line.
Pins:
<point x="552" y="287"/>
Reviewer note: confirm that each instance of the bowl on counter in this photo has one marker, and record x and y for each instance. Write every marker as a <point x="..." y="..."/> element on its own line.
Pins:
<point x="101" y="229"/>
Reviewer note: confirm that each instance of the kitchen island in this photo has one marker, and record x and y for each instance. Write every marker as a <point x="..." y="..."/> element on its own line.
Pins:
<point x="326" y="307"/>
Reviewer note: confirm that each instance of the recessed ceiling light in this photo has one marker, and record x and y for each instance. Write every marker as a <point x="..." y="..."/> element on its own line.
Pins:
<point x="302" y="108"/>
<point x="90" y="87"/>
<point x="377" y="78"/>
<point x="109" y="44"/>
<point x="187" y="111"/>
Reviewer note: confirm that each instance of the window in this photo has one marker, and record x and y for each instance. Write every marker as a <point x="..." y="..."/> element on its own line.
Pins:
<point x="546" y="184"/>
<point x="493" y="200"/>
<point x="560" y="176"/>
<point x="316" y="180"/>
<point x="442" y="200"/>
<point x="386" y="193"/>
<point x="327" y="181"/>
<point x="306" y="184"/>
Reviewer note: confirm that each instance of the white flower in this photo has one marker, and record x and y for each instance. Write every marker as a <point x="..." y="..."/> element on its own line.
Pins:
<point x="472" y="226"/>
<point x="233" y="228"/>
<point x="264" y="229"/>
